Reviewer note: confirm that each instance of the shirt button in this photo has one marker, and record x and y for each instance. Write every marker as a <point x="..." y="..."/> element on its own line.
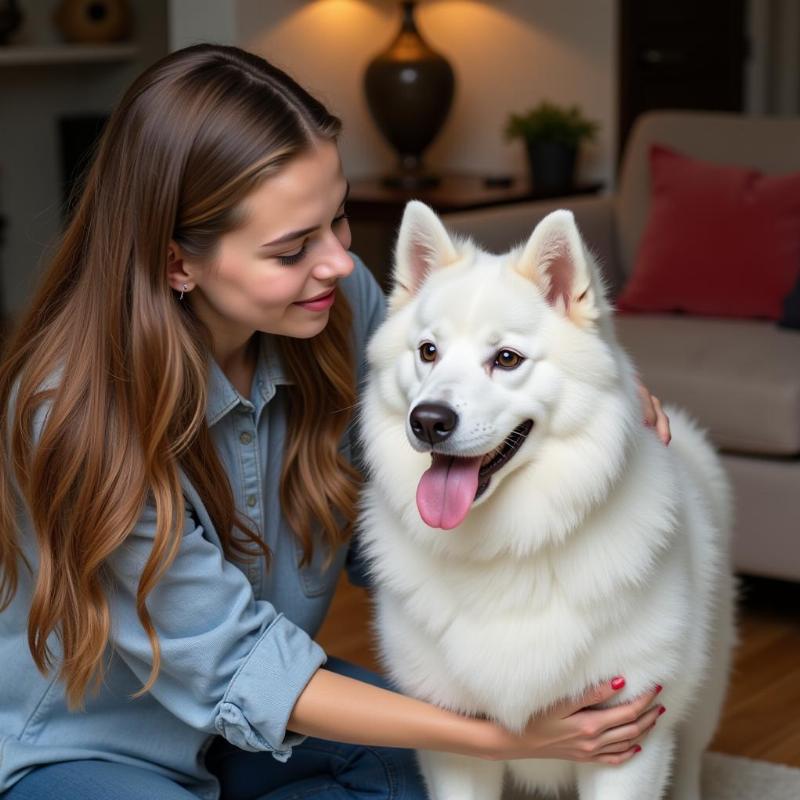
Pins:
<point x="251" y="500"/>
<point x="245" y="438"/>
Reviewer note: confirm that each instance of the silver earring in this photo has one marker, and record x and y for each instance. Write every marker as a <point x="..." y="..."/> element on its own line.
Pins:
<point x="182" y="291"/>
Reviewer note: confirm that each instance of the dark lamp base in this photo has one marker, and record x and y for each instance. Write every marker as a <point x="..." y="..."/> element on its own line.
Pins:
<point x="411" y="174"/>
<point x="411" y="180"/>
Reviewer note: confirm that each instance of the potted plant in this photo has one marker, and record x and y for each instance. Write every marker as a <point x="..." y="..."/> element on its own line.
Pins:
<point x="552" y="135"/>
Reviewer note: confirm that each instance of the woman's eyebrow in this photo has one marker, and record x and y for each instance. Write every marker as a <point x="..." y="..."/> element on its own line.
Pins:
<point x="292" y="235"/>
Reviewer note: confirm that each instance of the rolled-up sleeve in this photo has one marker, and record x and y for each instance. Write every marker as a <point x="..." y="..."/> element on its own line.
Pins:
<point x="230" y="664"/>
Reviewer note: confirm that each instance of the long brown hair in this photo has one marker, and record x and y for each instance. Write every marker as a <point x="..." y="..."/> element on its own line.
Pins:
<point x="190" y="139"/>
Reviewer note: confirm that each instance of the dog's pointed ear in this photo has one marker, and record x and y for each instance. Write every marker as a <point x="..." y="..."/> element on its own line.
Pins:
<point x="423" y="245"/>
<point x="556" y="260"/>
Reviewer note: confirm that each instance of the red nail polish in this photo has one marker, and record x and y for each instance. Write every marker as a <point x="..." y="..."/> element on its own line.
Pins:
<point x="659" y="687"/>
<point x="617" y="683"/>
<point x="637" y="749"/>
<point x="661" y="710"/>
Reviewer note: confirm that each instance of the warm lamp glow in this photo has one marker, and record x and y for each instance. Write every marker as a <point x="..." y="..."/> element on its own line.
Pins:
<point x="506" y="54"/>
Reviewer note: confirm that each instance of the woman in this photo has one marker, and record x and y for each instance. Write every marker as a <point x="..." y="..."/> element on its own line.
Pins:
<point x="177" y="493"/>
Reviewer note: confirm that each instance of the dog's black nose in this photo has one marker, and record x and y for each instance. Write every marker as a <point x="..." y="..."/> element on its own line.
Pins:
<point x="433" y="422"/>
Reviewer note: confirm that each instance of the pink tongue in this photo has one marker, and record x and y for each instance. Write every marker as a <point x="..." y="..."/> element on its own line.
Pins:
<point x="446" y="490"/>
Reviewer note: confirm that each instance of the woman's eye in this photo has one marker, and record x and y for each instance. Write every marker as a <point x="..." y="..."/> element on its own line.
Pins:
<point x="427" y="352"/>
<point x="507" y="359"/>
<point x="293" y="258"/>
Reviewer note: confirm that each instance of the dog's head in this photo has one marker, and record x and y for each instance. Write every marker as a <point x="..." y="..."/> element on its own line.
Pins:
<point x="484" y="358"/>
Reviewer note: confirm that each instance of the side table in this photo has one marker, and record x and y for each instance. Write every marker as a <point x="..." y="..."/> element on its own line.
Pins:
<point x="375" y="210"/>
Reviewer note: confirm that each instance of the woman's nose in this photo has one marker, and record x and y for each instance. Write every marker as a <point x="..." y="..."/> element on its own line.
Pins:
<point x="335" y="262"/>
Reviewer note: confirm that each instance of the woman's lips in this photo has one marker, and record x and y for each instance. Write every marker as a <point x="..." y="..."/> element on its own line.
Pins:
<point x="320" y="303"/>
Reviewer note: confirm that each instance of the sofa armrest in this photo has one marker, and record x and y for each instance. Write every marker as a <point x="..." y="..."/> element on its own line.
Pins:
<point x="498" y="228"/>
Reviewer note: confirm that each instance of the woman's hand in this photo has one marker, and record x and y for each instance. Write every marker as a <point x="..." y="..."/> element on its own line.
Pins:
<point x="574" y="732"/>
<point x="654" y="415"/>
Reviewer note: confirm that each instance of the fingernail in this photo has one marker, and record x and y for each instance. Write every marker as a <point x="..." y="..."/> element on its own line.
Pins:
<point x="659" y="687"/>
<point x="617" y="683"/>
<point x="661" y="710"/>
<point x="637" y="749"/>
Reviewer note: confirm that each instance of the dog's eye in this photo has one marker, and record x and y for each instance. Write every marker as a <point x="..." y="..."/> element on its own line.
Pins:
<point x="427" y="352"/>
<point x="507" y="359"/>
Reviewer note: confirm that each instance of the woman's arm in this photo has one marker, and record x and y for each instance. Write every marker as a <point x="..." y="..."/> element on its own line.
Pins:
<point x="343" y="709"/>
<point x="230" y="663"/>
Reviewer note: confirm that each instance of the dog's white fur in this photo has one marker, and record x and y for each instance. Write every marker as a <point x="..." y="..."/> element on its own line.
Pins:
<point x="596" y="550"/>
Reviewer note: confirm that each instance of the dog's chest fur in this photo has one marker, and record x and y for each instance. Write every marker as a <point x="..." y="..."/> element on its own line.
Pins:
<point x="508" y="636"/>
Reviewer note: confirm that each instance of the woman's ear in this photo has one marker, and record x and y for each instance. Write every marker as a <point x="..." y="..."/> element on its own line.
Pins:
<point x="177" y="274"/>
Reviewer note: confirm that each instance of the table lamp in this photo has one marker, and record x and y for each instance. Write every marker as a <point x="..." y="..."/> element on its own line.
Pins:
<point x="409" y="89"/>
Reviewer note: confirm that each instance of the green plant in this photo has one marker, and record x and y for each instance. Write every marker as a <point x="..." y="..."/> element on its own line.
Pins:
<point x="549" y="122"/>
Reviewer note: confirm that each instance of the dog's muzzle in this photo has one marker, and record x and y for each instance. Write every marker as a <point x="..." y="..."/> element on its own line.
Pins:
<point x="452" y="483"/>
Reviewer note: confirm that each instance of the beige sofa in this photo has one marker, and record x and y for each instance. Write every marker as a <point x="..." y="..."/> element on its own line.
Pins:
<point x="739" y="378"/>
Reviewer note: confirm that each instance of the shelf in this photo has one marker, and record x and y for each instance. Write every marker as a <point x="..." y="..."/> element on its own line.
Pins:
<point x="33" y="55"/>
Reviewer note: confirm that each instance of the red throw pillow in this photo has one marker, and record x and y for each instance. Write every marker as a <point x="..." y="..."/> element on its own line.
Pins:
<point x="720" y="240"/>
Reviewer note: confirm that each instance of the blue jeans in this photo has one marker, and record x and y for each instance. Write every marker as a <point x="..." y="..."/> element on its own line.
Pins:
<point x="317" y="769"/>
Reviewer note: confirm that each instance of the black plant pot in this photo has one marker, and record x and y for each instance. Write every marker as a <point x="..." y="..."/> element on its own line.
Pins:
<point x="409" y="89"/>
<point x="552" y="165"/>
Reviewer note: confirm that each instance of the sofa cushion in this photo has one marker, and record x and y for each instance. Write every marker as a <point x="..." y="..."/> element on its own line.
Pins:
<point x="739" y="378"/>
<point x="766" y="143"/>
<point x="720" y="240"/>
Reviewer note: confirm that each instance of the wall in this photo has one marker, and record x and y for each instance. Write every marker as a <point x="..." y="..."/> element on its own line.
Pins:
<point x="507" y="55"/>
<point x="31" y="100"/>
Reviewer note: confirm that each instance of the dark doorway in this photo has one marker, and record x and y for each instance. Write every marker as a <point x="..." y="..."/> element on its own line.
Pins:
<point x="78" y="135"/>
<point x="680" y="54"/>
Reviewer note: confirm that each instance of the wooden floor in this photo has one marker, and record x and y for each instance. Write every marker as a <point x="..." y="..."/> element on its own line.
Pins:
<point x="762" y="713"/>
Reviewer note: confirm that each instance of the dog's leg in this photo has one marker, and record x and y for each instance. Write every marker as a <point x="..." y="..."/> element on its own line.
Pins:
<point x="694" y="733"/>
<point x="686" y="780"/>
<point x="453" y="777"/>
<point x="644" y="777"/>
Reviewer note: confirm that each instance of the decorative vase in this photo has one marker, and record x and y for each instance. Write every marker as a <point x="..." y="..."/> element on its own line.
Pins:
<point x="409" y="89"/>
<point x="10" y="19"/>
<point x="552" y="165"/>
<point x="93" y="21"/>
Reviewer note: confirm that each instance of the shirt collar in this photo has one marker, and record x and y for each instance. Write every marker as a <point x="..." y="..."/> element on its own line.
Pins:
<point x="224" y="397"/>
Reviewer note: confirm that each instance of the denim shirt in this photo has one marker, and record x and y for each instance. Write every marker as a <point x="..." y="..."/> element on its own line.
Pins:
<point x="236" y="640"/>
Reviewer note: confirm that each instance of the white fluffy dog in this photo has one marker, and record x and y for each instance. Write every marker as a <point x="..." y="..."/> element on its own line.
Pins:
<point x="529" y="536"/>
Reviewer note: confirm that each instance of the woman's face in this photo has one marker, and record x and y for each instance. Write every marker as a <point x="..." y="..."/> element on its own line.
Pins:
<point x="278" y="272"/>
